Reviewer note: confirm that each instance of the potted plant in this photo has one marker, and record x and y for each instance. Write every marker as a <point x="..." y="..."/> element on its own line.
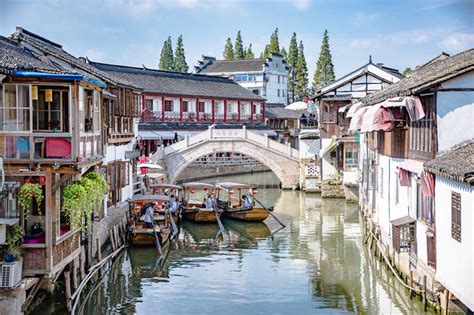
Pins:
<point x="26" y="194"/>
<point x="15" y="234"/>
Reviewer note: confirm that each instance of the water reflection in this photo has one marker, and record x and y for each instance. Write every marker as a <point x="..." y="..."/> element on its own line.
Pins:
<point x="317" y="264"/>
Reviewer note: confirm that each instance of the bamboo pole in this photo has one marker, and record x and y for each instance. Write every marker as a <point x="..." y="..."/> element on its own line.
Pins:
<point x="411" y="284"/>
<point x="111" y="239"/>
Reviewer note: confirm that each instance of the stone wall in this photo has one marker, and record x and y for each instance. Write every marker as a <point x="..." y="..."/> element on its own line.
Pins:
<point x="332" y="190"/>
<point x="351" y="192"/>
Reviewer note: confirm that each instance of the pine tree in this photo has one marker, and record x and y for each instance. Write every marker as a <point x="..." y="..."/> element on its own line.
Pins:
<point x="249" y="53"/>
<point x="274" y="46"/>
<point x="180" y="64"/>
<point x="324" y="73"/>
<point x="291" y="63"/>
<point x="228" y="50"/>
<point x="238" y="47"/>
<point x="166" y="58"/>
<point x="301" y="75"/>
<point x="284" y="53"/>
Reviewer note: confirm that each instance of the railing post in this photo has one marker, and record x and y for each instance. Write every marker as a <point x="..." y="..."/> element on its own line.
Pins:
<point x="289" y="148"/>
<point x="244" y="132"/>
<point x="267" y="141"/>
<point x="211" y="134"/>
<point x="187" y="140"/>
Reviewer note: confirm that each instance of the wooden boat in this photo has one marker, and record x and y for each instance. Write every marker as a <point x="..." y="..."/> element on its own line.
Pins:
<point x="249" y="230"/>
<point x="194" y="209"/>
<point x="141" y="235"/>
<point x="169" y="190"/>
<point x="140" y="200"/>
<point x="233" y="207"/>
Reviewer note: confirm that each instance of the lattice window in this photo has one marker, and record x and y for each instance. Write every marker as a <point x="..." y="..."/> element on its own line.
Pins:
<point x="456" y="216"/>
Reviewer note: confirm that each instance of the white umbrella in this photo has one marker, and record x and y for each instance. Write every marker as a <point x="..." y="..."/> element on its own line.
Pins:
<point x="297" y="106"/>
<point x="151" y="166"/>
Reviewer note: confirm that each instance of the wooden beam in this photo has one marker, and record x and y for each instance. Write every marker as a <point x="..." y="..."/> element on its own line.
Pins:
<point x="61" y="182"/>
<point x="32" y="294"/>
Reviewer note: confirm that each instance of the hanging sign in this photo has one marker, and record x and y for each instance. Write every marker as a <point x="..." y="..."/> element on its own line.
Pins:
<point x="34" y="93"/>
<point x="48" y="95"/>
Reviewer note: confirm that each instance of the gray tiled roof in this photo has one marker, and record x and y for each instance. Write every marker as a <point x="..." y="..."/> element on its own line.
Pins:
<point x="282" y="113"/>
<point x="425" y="77"/>
<point x="456" y="163"/>
<point x="227" y="66"/>
<point x="14" y="58"/>
<point x="48" y="47"/>
<point x="174" y="83"/>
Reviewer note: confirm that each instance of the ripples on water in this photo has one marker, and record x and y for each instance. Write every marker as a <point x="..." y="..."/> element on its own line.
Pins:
<point x="318" y="264"/>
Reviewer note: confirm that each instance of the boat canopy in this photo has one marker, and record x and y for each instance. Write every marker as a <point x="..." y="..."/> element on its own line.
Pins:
<point x="141" y="197"/>
<point x="197" y="185"/>
<point x="155" y="175"/>
<point x="150" y="165"/>
<point x="170" y="186"/>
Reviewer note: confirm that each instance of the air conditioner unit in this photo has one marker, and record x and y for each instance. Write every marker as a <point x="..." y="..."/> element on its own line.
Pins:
<point x="10" y="274"/>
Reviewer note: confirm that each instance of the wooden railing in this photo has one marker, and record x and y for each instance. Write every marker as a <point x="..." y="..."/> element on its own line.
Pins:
<point x="66" y="245"/>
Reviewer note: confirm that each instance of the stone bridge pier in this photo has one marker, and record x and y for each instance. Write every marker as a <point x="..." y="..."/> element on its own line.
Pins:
<point x="281" y="159"/>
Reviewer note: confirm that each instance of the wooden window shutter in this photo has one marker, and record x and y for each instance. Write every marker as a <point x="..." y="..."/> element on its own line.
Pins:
<point x="396" y="238"/>
<point x="456" y="216"/>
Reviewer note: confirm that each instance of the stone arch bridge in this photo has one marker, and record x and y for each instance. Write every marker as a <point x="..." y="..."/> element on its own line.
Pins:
<point x="280" y="158"/>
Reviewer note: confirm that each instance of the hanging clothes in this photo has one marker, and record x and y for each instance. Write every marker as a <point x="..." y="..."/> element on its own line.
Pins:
<point x="404" y="177"/>
<point x="427" y="183"/>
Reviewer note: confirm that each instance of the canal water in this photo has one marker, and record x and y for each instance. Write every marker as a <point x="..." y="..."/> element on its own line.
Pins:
<point x="318" y="264"/>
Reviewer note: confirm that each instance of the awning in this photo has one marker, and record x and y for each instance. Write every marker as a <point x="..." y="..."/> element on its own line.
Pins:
<point x="356" y="120"/>
<point x="411" y="103"/>
<point x="412" y="166"/>
<point x="342" y="109"/>
<point x="353" y="108"/>
<point x="331" y="146"/>
<point x="403" y="221"/>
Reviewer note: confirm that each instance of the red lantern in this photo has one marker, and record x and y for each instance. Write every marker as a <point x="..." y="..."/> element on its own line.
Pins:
<point x="205" y="188"/>
<point x="239" y="188"/>
<point x="254" y="191"/>
<point x="42" y="180"/>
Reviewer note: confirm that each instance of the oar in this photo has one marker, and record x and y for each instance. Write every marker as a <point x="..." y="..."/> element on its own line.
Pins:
<point x="269" y="212"/>
<point x="173" y="224"/>
<point x="219" y="222"/>
<point x="157" y="241"/>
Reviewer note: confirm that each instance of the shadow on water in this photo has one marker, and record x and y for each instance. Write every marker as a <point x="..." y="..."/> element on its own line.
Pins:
<point x="317" y="264"/>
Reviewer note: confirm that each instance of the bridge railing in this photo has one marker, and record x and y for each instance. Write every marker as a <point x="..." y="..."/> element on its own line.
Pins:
<point x="211" y="133"/>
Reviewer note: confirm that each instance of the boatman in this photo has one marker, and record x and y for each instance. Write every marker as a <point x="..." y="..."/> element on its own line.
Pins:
<point x="247" y="204"/>
<point x="149" y="216"/>
<point x="209" y="202"/>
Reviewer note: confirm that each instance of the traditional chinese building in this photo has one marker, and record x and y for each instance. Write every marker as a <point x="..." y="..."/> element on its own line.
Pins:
<point x="339" y="148"/>
<point x="57" y="116"/>
<point x="175" y="105"/>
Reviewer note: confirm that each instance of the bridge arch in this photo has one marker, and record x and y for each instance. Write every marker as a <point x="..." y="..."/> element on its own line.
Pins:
<point x="279" y="158"/>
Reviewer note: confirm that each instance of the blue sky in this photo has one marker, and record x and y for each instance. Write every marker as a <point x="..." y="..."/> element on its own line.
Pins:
<point x="397" y="33"/>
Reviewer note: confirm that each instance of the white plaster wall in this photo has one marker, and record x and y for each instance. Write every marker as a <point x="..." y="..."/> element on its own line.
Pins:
<point x="117" y="153"/>
<point x="455" y="112"/>
<point x="455" y="260"/>
<point x="350" y="177"/>
<point x="327" y="168"/>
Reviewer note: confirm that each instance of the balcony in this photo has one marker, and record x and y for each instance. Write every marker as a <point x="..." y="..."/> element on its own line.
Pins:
<point x="35" y="147"/>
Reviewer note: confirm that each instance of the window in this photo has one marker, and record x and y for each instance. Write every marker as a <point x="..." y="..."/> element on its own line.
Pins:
<point x="381" y="183"/>
<point x="424" y="207"/>
<point x="15" y="109"/>
<point x="421" y="131"/>
<point x="168" y="106"/>
<point x="352" y="157"/>
<point x="202" y="107"/>
<point x="255" y="91"/>
<point x="456" y="216"/>
<point x="237" y="77"/>
<point x="329" y="113"/>
<point x="278" y="92"/>
<point x="117" y="177"/>
<point x="149" y="104"/>
<point x="278" y="79"/>
<point x="185" y="106"/>
<point x="243" y="77"/>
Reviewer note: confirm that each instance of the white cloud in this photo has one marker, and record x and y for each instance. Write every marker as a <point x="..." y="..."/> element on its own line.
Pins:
<point x="96" y="55"/>
<point x="457" y="42"/>
<point x="363" y="18"/>
<point x="302" y="4"/>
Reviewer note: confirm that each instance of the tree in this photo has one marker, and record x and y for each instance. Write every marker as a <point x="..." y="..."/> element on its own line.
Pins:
<point x="291" y="63"/>
<point x="284" y="53"/>
<point x="273" y="47"/>
<point x="238" y="47"/>
<point x="228" y="50"/>
<point x="166" y="58"/>
<point x="301" y="75"/>
<point x="249" y="53"/>
<point x="407" y="71"/>
<point x="324" y="73"/>
<point x="180" y="64"/>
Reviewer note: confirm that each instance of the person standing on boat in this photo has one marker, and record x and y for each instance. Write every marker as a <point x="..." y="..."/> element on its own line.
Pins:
<point x="173" y="204"/>
<point x="149" y="216"/>
<point x="247" y="204"/>
<point x="209" y="202"/>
